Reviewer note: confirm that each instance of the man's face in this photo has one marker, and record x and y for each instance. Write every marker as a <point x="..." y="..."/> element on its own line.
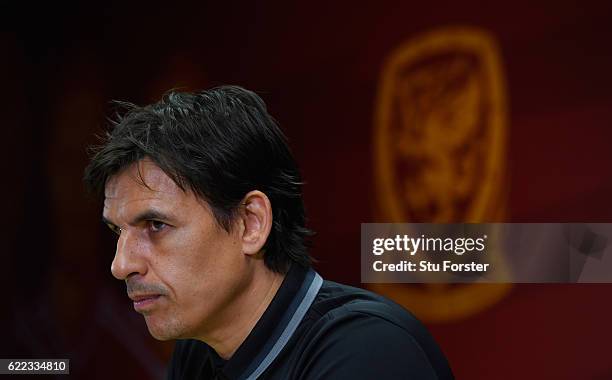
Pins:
<point x="181" y="268"/>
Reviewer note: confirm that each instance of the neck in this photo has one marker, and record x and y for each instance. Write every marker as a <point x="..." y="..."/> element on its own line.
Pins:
<point x="244" y="313"/>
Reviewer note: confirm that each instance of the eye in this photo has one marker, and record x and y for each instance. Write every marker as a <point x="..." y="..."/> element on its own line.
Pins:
<point x="156" y="225"/>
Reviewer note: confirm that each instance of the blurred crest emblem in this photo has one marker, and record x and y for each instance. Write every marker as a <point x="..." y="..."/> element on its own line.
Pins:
<point x="439" y="156"/>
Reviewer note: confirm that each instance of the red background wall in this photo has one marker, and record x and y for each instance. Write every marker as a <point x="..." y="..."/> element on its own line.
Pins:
<point x="317" y="66"/>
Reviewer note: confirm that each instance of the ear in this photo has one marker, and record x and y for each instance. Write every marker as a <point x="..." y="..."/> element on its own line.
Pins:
<point x="256" y="216"/>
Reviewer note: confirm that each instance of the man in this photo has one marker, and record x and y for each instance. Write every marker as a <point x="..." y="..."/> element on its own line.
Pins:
<point x="205" y="198"/>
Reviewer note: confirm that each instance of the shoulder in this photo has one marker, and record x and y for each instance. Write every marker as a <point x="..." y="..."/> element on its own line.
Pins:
<point x="338" y="304"/>
<point x="358" y="334"/>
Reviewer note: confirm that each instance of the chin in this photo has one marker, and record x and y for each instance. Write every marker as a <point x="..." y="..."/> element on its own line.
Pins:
<point x="163" y="329"/>
<point x="160" y="335"/>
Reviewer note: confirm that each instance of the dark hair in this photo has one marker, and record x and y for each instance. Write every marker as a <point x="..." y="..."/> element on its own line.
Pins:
<point x="220" y="143"/>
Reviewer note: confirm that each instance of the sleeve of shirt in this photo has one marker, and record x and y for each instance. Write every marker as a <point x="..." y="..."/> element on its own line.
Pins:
<point x="357" y="345"/>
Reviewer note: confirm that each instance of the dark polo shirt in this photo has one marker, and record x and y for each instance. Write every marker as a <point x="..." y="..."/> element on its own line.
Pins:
<point x="315" y="329"/>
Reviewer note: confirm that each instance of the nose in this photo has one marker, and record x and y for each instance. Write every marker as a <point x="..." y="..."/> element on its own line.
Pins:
<point x="129" y="257"/>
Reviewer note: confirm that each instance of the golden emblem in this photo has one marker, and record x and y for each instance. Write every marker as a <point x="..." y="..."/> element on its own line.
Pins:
<point x="440" y="139"/>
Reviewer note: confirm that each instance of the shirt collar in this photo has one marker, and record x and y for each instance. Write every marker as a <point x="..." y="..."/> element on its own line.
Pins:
<point x="296" y="289"/>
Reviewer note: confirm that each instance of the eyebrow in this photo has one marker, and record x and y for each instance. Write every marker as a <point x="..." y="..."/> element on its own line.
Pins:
<point x="149" y="214"/>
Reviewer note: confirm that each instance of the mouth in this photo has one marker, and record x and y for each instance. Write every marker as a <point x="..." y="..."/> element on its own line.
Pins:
<point x="144" y="302"/>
